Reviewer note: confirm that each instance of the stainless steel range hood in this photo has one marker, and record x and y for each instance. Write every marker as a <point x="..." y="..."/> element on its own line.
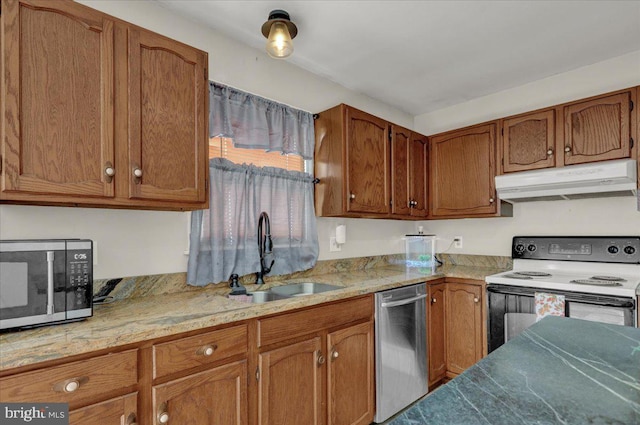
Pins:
<point x="596" y="180"/>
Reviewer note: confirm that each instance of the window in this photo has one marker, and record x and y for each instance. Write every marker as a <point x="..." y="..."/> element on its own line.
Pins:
<point x="222" y="147"/>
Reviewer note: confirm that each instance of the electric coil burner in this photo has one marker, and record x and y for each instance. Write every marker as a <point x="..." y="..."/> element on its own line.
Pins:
<point x="598" y="277"/>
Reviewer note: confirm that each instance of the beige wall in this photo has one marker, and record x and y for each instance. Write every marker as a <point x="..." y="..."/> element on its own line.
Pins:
<point x="148" y="242"/>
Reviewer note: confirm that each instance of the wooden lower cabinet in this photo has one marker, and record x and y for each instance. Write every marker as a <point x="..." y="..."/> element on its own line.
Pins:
<point x="463" y="326"/>
<point x="215" y="396"/>
<point x="118" y="411"/>
<point x="455" y="327"/>
<point x="324" y="373"/>
<point x="351" y="375"/>
<point x="436" y="332"/>
<point x="290" y="387"/>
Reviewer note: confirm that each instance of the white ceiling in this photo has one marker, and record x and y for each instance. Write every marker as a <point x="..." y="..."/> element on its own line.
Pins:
<point x="420" y="56"/>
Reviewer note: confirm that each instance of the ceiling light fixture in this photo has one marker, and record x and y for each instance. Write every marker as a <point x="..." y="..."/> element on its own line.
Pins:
<point x="279" y="31"/>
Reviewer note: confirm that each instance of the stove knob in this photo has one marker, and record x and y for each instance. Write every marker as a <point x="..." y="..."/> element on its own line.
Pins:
<point x="629" y="250"/>
<point x="520" y="248"/>
<point x="613" y="249"/>
<point x="531" y="248"/>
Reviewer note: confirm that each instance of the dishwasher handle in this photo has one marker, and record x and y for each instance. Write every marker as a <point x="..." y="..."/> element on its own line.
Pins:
<point x="403" y="301"/>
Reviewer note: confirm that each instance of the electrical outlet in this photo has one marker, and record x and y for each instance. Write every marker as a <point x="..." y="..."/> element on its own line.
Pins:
<point x="333" y="246"/>
<point x="457" y="242"/>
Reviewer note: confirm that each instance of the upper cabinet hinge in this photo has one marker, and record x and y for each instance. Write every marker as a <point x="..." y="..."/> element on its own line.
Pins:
<point x="0" y="164"/>
<point x="630" y="105"/>
<point x="390" y="136"/>
<point x="502" y="131"/>
<point x="631" y="142"/>
<point x="258" y="373"/>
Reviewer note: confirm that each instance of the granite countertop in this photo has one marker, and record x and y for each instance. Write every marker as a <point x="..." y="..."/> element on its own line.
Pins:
<point x="133" y="320"/>
<point x="558" y="371"/>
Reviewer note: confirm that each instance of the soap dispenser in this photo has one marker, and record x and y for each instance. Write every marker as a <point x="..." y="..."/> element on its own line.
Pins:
<point x="236" y="287"/>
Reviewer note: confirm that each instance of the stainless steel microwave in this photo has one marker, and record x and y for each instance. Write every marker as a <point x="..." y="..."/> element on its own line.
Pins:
<point x="45" y="281"/>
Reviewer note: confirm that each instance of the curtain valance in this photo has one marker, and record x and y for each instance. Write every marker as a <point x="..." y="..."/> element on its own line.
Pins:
<point x="254" y="122"/>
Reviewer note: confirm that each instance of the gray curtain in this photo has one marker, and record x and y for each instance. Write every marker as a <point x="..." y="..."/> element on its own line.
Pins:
<point x="224" y="240"/>
<point x="254" y="122"/>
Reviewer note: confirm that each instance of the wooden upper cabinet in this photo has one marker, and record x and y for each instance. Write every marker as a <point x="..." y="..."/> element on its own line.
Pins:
<point x="418" y="175"/>
<point x="528" y="141"/>
<point x="400" y="180"/>
<point x="99" y="112"/>
<point x="167" y="111"/>
<point x="367" y="160"/>
<point x="409" y="170"/>
<point x="58" y="98"/>
<point x="352" y="161"/>
<point x="597" y="129"/>
<point x="462" y="169"/>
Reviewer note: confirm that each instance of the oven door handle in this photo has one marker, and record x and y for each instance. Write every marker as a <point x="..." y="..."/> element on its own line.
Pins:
<point x="403" y="302"/>
<point x="621" y="304"/>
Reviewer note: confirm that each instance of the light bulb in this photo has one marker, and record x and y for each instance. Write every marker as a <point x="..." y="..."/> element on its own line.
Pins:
<point x="279" y="44"/>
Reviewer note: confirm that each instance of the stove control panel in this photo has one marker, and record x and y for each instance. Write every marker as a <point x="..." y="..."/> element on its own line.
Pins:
<point x="601" y="249"/>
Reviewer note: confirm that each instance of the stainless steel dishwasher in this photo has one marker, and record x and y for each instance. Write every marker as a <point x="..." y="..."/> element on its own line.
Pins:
<point x="401" y="349"/>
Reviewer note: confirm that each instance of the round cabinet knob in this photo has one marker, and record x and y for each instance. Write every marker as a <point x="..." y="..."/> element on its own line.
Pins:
<point x="475" y="300"/>
<point x="110" y="171"/>
<point x="320" y="359"/>
<point x="137" y="172"/>
<point x="567" y="149"/>
<point x="163" y="417"/>
<point x="334" y="355"/>
<point x="491" y="200"/>
<point x="433" y="300"/>
<point x="71" y="386"/>
<point x="550" y="152"/>
<point x="208" y="350"/>
<point x="352" y="196"/>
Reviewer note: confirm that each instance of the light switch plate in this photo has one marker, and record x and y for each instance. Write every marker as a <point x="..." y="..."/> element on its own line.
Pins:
<point x="333" y="246"/>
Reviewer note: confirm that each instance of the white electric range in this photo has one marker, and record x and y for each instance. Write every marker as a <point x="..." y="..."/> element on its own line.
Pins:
<point x="598" y="277"/>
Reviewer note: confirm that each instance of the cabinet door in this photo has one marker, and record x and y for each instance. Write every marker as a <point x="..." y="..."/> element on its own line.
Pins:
<point x="57" y="106"/>
<point x="117" y="411"/>
<point x="418" y="174"/>
<point x="597" y="129"/>
<point x="167" y="108"/>
<point x="462" y="172"/>
<point x="351" y="376"/>
<point x="290" y="387"/>
<point x="400" y="142"/>
<point x="367" y="141"/>
<point x="436" y="329"/>
<point x="464" y="326"/>
<point x="528" y="142"/>
<point x="216" y="396"/>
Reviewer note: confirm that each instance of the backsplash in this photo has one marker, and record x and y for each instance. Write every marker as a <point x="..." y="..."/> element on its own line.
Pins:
<point x="142" y="286"/>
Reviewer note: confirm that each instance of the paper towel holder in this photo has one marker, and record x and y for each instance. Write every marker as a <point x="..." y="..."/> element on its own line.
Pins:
<point x="341" y="234"/>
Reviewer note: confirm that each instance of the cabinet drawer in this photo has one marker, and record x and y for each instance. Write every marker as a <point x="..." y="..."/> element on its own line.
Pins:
<point x="186" y="353"/>
<point x="73" y="382"/>
<point x="291" y="325"/>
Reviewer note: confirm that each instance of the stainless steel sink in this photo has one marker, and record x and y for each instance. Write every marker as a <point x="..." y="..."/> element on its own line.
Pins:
<point x="302" y="289"/>
<point x="291" y="290"/>
<point x="259" y="297"/>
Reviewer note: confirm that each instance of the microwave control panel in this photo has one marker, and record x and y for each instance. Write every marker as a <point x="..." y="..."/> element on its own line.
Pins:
<point x="79" y="274"/>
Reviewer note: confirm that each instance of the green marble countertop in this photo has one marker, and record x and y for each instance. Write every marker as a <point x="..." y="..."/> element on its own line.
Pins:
<point x="558" y="371"/>
<point x="133" y="320"/>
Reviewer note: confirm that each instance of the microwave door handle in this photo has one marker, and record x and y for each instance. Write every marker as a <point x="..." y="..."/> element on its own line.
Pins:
<point x="50" y="256"/>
